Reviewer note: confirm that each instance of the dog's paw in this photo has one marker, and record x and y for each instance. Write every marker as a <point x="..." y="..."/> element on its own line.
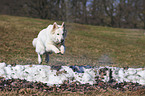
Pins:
<point x="62" y="52"/>
<point x="62" y="49"/>
<point x="57" y="52"/>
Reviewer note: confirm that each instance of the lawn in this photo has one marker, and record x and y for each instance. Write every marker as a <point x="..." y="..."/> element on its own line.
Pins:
<point x="85" y="44"/>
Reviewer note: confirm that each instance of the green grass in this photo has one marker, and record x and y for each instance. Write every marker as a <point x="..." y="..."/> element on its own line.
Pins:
<point x="85" y="44"/>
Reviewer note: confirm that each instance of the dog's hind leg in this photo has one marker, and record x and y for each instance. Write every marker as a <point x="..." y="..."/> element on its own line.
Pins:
<point x="47" y="57"/>
<point x="39" y="58"/>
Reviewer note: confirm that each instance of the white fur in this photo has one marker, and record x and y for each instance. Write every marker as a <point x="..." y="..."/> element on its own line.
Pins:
<point x="48" y="39"/>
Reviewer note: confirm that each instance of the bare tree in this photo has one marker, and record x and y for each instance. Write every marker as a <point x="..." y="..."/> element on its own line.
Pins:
<point x="110" y="9"/>
<point x="141" y="11"/>
<point x="96" y="15"/>
<point x="84" y="11"/>
<point x="12" y="7"/>
<point x="41" y="8"/>
<point x="115" y="13"/>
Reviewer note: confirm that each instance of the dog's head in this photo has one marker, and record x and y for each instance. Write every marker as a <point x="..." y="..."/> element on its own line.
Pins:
<point x="59" y="32"/>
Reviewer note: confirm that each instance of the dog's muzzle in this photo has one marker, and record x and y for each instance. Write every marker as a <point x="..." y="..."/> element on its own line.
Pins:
<point x="62" y="40"/>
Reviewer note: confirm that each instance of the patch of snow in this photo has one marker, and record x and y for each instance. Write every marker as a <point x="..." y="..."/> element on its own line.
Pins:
<point x="82" y="74"/>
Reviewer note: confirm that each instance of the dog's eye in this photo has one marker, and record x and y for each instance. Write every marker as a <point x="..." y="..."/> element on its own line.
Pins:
<point x="63" y="34"/>
<point x="57" y="33"/>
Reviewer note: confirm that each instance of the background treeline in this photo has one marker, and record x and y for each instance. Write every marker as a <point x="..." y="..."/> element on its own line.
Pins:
<point x="115" y="13"/>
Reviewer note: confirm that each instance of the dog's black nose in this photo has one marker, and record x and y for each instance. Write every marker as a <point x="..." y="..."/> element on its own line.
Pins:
<point x="62" y="40"/>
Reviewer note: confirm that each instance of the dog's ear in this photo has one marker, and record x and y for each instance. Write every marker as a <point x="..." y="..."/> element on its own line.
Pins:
<point x="62" y="25"/>
<point x="55" y="25"/>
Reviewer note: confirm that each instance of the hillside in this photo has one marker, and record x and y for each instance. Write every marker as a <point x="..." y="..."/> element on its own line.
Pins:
<point x="85" y="44"/>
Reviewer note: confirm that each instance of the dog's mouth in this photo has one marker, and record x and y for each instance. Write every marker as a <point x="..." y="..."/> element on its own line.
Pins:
<point x="60" y="42"/>
<point x="57" y="43"/>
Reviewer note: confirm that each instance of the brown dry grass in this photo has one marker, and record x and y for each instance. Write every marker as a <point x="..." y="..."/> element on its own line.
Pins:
<point x="85" y="44"/>
<point x="109" y="92"/>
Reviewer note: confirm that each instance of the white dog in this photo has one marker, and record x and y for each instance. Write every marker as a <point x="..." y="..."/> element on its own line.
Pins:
<point x="48" y="39"/>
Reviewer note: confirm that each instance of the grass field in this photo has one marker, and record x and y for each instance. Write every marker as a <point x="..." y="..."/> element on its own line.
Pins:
<point x="85" y="45"/>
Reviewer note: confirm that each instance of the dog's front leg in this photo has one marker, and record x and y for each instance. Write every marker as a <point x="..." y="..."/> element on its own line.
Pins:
<point x="53" y="48"/>
<point x="62" y="49"/>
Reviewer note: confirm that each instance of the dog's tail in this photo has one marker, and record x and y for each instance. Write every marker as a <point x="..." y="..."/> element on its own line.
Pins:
<point x="34" y="42"/>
